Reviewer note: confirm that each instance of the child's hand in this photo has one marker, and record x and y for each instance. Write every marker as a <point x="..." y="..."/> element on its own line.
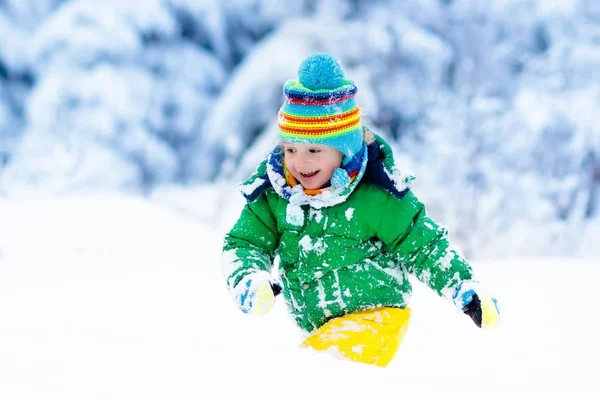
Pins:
<point x="255" y="293"/>
<point x="482" y="309"/>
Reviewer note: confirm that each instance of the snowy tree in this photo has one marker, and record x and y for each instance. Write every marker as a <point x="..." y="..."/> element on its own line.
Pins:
<point x="231" y="29"/>
<point x="117" y="91"/>
<point x="557" y="104"/>
<point x="28" y="14"/>
<point x="15" y="81"/>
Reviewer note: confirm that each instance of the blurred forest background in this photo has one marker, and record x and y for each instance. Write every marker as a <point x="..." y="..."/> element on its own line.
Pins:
<point x="491" y="104"/>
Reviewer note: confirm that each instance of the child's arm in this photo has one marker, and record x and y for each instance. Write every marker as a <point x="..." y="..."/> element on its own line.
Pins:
<point x="248" y="257"/>
<point x="425" y="250"/>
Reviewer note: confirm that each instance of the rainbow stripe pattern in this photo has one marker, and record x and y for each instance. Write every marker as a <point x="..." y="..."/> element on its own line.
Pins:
<point x="320" y="108"/>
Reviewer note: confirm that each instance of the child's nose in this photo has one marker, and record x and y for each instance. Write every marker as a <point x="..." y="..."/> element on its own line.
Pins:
<point x="304" y="162"/>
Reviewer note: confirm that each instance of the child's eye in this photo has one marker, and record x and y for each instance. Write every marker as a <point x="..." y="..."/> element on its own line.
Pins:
<point x="290" y="151"/>
<point x="314" y="151"/>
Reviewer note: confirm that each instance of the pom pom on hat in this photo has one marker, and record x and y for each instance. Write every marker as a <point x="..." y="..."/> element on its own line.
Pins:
<point x="321" y="71"/>
<point x="319" y="107"/>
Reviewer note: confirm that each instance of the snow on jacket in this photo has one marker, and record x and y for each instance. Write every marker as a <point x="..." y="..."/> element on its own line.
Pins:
<point x="347" y="254"/>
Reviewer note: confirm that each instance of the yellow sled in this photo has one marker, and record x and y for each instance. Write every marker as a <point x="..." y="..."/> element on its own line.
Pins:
<point x="371" y="336"/>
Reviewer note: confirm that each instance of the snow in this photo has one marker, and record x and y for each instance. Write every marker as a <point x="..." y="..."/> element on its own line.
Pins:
<point x="446" y="261"/>
<point x="82" y="29"/>
<point x="119" y="297"/>
<point x="12" y="41"/>
<point x="349" y="214"/>
<point x="317" y="215"/>
<point x="294" y="215"/>
<point x="248" y="189"/>
<point x="307" y="245"/>
<point x="492" y="105"/>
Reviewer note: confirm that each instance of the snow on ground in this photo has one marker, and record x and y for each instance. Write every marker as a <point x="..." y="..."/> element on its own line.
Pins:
<point x="119" y="298"/>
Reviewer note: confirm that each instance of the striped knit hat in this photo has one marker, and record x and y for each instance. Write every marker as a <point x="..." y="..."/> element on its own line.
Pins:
<point x="319" y="107"/>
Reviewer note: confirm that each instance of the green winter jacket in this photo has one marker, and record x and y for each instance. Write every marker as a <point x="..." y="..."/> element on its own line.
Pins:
<point x="339" y="258"/>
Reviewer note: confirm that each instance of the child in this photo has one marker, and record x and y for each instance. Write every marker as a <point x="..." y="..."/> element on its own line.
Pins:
<point x="330" y="202"/>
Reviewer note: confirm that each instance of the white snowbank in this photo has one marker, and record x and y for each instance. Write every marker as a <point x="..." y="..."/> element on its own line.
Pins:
<point x="107" y="297"/>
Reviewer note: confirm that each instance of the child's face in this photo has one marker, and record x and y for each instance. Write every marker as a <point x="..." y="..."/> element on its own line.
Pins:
<point x="312" y="165"/>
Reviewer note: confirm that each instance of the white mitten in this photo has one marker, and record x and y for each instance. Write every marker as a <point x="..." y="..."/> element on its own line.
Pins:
<point x="255" y="293"/>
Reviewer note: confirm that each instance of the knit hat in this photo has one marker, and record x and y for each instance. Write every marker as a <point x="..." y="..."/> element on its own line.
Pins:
<point x="319" y="107"/>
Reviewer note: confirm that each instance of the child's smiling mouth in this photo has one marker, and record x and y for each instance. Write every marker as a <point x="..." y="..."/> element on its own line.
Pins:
<point x="309" y="174"/>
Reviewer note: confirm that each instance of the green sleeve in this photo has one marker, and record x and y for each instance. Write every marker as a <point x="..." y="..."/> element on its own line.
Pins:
<point x="250" y="245"/>
<point x="423" y="246"/>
